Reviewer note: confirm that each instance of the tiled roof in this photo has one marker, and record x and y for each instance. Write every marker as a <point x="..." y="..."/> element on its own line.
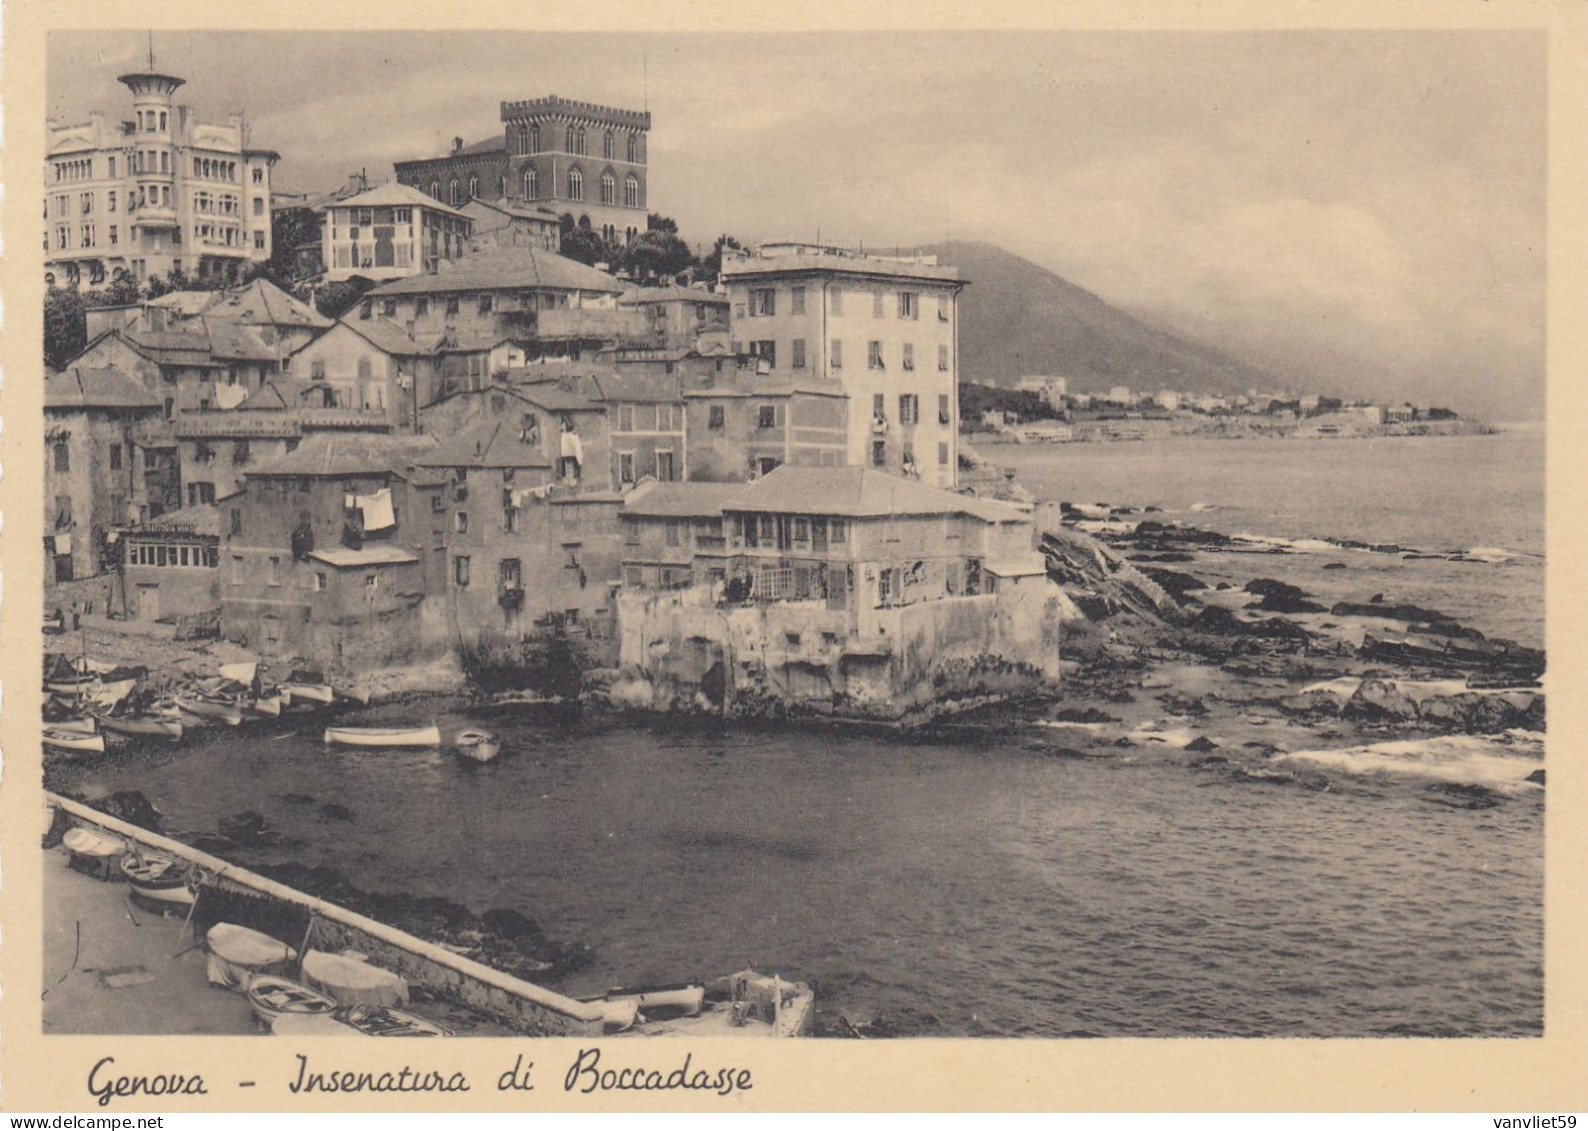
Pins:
<point x="386" y="336"/>
<point x="671" y="293"/>
<point x="394" y="195"/>
<point x="169" y="347"/>
<point x="349" y="453"/>
<point x="262" y="302"/>
<point x="490" y="443"/>
<point x="510" y="207"/>
<point x="859" y="492"/>
<point x="751" y="266"/>
<point x="657" y="388"/>
<point x="105" y="387"/>
<point x="203" y="518"/>
<point x="235" y="341"/>
<point x="680" y="500"/>
<point x="504" y="269"/>
<point x="366" y="556"/>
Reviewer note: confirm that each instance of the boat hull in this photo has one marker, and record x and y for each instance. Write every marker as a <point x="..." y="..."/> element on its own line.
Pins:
<point x="228" y="713"/>
<point x="75" y="742"/>
<point x="383" y="736"/>
<point x="272" y="998"/>
<point x="309" y="692"/>
<point x="141" y="727"/>
<point x="478" y="745"/>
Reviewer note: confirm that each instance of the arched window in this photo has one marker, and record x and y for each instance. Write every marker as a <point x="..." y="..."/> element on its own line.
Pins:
<point x="534" y="139"/>
<point x="581" y="140"/>
<point x="435" y="189"/>
<point x="452" y="192"/>
<point x="474" y="187"/>
<point x="575" y="185"/>
<point x="606" y="146"/>
<point x="531" y="183"/>
<point x="609" y="188"/>
<point x="523" y="141"/>
<point x="568" y="141"/>
<point x="634" y="147"/>
<point x="501" y="185"/>
<point x="631" y="191"/>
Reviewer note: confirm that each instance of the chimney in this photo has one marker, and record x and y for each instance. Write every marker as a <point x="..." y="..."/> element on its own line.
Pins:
<point x="457" y="144"/>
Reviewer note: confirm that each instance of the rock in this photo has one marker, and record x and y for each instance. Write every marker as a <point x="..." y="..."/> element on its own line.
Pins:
<point x="247" y="827"/>
<point x="1278" y="597"/>
<point x="1378" y="701"/>
<point x="1311" y="703"/>
<point x="510" y="924"/>
<point x="1536" y="777"/>
<point x="298" y="798"/>
<point x="1082" y="715"/>
<point x="1210" y="760"/>
<point x="1201" y="744"/>
<point x="1335" y="565"/>
<point x="1150" y="527"/>
<point x="1182" y="704"/>
<point x="336" y="812"/>
<point x="131" y="806"/>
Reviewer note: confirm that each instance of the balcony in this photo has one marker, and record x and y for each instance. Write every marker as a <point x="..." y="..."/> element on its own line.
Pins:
<point x="510" y="595"/>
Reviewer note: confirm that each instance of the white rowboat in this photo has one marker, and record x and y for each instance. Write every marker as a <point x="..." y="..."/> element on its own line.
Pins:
<point x="383" y="736"/>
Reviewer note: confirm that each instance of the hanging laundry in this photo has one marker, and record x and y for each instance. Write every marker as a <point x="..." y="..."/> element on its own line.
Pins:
<point x="377" y="510"/>
<point x="63" y="545"/>
<point x="230" y="396"/>
<point x="572" y="447"/>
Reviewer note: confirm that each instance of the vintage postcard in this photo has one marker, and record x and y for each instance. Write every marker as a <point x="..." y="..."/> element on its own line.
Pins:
<point x="793" y="558"/>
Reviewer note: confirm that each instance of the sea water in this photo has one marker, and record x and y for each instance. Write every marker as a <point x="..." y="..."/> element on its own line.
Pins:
<point x="983" y="888"/>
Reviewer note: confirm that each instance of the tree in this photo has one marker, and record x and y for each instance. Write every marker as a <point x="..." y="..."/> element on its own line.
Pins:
<point x="586" y="246"/>
<point x="290" y="228"/>
<point x="656" y="253"/>
<point x="711" y="266"/>
<point x="65" y="326"/>
<point x="656" y="222"/>
<point x="335" y="299"/>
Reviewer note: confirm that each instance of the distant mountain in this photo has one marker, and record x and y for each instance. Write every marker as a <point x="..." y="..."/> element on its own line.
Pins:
<point x="1018" y="319"/>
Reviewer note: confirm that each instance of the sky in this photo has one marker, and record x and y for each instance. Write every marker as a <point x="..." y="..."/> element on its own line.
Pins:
<point x="1363" y="212"/>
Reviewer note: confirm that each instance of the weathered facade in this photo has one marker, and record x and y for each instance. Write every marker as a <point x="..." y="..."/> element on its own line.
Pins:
<point x="170" y="567"/>
<point x="742" y="424"/>
<point x="390" y="232"/>
<point x="842" y="589"/>
<point x="512" y="223"/>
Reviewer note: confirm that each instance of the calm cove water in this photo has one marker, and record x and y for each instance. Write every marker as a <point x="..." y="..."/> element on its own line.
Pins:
<point x="975" y="889"/>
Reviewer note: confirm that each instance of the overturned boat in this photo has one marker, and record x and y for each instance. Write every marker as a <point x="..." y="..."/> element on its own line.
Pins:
<point x="383" y="736"/>
<point x="478" y="745"/>
<point x="307" y="686"/>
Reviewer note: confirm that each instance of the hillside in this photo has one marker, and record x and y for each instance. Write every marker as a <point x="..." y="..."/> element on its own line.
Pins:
<point x="1019" y="319"/>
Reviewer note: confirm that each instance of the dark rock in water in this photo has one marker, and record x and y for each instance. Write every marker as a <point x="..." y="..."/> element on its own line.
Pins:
<point x="1069" y="752"/>
<point x="1201" y="744"/>
<point x="1335" y="565"/>
<point x="1120" y="695"/>
<point x="1311" y="703"/>
<point x="511" y="924"/>
<point x="131" y="806"/>
<point x="1378" y="701"/>
<point x="1533" y="717"/>
<point x="1123" y="742"/>
<point x="298" y="798"/>
<point x="1182" y="704"/>
<point x="1536" y="777"/>
<point x="1401" y="612"/>
<point x="1150" y="527"/>
<point x="214" y="845"/>
<point x="1224" y="585"/>
<point x="1210" y="760"/>
<point x="1173" y="582"/>
<point x="336" y="812"/>
<point x="1151" y="510"/>
<point x="1460" y="795"/>
<point x="1082" y="715"/>
<point x="1376" y="599"/>
<point x="247" y="827"/>
<point x="1278" y="597"/>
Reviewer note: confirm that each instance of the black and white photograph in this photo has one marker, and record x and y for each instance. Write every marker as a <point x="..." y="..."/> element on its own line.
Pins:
<point x="839" y="536"/>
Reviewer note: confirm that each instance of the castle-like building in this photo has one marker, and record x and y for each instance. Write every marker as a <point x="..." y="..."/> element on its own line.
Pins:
<point x="582" y="161"/>
<point x="160" y="191"/>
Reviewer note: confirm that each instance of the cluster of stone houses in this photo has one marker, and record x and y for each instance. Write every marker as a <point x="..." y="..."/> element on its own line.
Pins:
<point x="751" y="490"/>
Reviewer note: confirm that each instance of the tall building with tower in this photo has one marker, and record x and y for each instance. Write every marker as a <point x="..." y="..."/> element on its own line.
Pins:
<point x="587" y="163"/>
<point x="159" y="191"/>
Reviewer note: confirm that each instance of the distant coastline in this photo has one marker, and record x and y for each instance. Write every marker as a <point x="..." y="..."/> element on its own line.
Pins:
<point x="1221" y="428"/>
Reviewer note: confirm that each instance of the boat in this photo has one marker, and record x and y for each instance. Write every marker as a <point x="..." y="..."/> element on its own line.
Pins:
<point x="616" y="1016"/>
<point x="73" y="725"/>
<point x="380" y="1021"/>
<point x="478" y="745"/>
<point x="678" y="999"/>
<point x="305" y="686"/>
<point x="73" y="740"/>
<point x="207" y="707"/>
<point x="74" y="684"/>
<point x="157" y="878"/>
<point x="268" y="706"/>
<point x="142" y="726"/>
<point x="95" y="853"/>
<point x="273" y="997"/>
<point x="383" y="736"/>
<point x="351" y="694"/>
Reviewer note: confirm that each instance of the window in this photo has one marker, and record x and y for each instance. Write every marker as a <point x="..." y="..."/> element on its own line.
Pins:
<point x="838" y="531"/>
<point x="579" y="141"/>
<point x="237" y="568"/>
<point x="366" y="309"/>
<point x="435" y="189"/>
<point x="460" y="522"/>
<point x="259" y="176"/>
<point x="534" y="139"/>
<point x="909" y="304"/>
<point x="485" y="304"/>
<point x="802" y="533"/>
<point x="321" y="582"/>
<point x="421" y="306"/>
<point x="112" y="166"/>
<point x="715" y="417"/>
<point x="633" y="147"/>
<point x="110" y="201"/>
<point x="876" y="305"/>
<point x="908" y="360"/>
<point x="63" y="456"/>
<point x="626" y="418"/>
<point x="436" y="504"/>
<point x="531" y="183"/>
<point x="879" y="407"/>
<point x="944" y="414"/>
<point x="765" y="349"/>
<point x="766" y="416"/>
<point x="909" y="409"/>
<point x="452" y="304"/>
<point x="275" y="570"/>
<point x="672" y="533"/>
<point x="942" y="308"/>
<point x="371" y="582"/>
<point x="838" y="354"/>
<point x="665" y="466"/>
<point x="236" y="527"/>
<point x="879" y="453"/>
<point x="609" y="189"/>
<point x="575" y="185"/>
<point x="667" y="418"/>
<point x="797" y="300"/>
<point x="452" y="192"/>
<point x="115" y="457"/>
<point x="240" y="452"/>
<point x="626" y="467"/>
<point x="797" y="353"/>
<point x="942" y="453"/>
<point x="259" y="241"/>
<point x="942" y="359"/>
<point x="388" y="307"/>
<point x="474" y="187"/>
<point x="873" y="355"/>
<point x="763" y="302"/>
<point x="317" y="370"/>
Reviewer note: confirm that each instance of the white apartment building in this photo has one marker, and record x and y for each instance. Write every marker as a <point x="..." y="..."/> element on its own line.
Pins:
<point x="885" y="330"/>
<point x="160" y="191"/>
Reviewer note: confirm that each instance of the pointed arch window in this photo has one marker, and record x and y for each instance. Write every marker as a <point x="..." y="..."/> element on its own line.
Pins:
<point x="568" y="141"/>
<point x="534" y="139"/>
<point x="452" y="192"/>
<point x="531" y="183"/>
<point x="608" y="147"/>
<point x="631" y="191"/>
<point x="474" y="187"/>
<point x="435" y="189"/>
<point x="634" y="148"/>
<point x="581" y="140"/>
<point x="609" y="188"/>
<point x="575" y="185"/>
